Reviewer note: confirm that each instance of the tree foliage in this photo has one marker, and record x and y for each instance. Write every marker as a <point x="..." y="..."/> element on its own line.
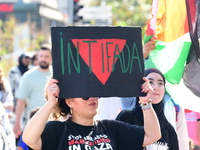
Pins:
<point x="128" y="12"/>
<point x="7" y="35"/>
<point x="6" y="38"/>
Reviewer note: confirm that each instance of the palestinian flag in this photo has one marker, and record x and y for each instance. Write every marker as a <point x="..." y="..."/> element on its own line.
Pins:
<point x="169" y="24"/>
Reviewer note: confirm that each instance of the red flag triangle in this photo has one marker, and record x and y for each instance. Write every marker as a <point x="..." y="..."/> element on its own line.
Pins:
<point x="100" y="55"/>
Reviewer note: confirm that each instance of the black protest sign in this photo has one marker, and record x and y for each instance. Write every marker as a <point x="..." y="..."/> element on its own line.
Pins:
<point x="98" y="61"/>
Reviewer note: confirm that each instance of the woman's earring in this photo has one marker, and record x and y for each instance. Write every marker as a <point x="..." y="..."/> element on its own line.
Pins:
<point x="71" y="111"/>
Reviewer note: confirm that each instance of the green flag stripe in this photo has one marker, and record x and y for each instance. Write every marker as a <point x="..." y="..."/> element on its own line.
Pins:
<point x="170" y="58"/>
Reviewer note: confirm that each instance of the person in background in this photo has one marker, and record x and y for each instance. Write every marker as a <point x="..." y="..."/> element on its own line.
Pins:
<point x="7" y="136"/>
<point x="34" y="61"/>
<point x="16" y="73"/>
<point x="168" y="140"/>
<point x="148" y="47"/>
<point x="21" y="145"/>
<point x="6" y="96"/>
<point x="81" y="131"/>
<point x="31" y="87"/>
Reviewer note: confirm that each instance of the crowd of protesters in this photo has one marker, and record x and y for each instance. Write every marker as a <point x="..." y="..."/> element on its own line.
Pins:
<point x="24" y="90"/>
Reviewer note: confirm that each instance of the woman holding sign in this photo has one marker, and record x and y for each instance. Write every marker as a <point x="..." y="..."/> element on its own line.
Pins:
<point x="81" y="132"/>
<point x="169" y="140"/>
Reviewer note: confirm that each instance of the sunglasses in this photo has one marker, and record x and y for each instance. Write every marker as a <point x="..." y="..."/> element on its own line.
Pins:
<point x="86" y="98"/>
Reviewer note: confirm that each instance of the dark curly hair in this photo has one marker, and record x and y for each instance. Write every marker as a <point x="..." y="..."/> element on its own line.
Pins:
<point x="2" y="87"/>
<point x="61" y="109"/>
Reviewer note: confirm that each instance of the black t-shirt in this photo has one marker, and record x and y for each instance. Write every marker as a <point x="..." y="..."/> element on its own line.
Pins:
<point x="168" y="141"/>
<point x="104" y="135"/>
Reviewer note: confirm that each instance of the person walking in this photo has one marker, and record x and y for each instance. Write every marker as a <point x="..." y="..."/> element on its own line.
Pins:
<point x="16" y="72"/>
<point x="31" y="87"/>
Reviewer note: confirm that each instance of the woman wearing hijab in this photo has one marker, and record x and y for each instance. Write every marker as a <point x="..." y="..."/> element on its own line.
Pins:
<point x="169" y="140"/>
<point x="16" y="72"/>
